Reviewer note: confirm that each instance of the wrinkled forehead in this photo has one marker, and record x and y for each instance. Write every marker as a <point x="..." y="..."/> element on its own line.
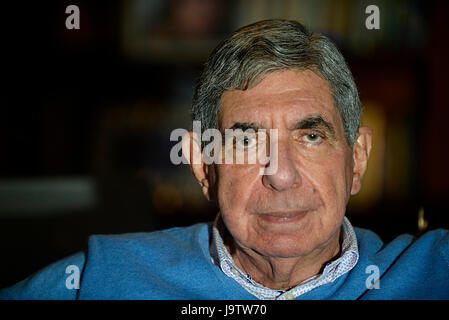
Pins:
<point x="284" y="96"/>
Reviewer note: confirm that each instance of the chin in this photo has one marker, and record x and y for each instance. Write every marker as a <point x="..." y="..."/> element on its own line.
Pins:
<point x="287" y="247"/>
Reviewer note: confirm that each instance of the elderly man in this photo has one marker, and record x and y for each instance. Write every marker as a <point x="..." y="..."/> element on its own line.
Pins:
<point x="280" y="234"/>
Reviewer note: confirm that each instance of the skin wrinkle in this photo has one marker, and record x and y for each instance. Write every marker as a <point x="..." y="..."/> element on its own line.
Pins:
<point x="267" y="264"/>
<point x="314" y="177"/>
<point x="268" y="46"/>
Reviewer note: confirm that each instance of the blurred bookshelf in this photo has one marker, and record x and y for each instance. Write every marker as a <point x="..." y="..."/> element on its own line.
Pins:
<point x="388" y="65"/>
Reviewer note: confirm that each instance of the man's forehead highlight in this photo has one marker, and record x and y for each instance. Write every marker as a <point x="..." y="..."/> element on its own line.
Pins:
<point x="303" y="98"/>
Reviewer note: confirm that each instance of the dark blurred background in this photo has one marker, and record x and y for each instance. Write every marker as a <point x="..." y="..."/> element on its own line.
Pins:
<point x="86" y="115"/>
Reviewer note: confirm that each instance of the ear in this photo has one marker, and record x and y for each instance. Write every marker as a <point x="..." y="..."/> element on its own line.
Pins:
<point x="361" y="151"/>
<point x="191" y="149"/>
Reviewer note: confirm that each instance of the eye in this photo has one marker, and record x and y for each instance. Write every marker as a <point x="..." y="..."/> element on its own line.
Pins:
<point x="246" y="142"/>
<point x="312" y="138"/>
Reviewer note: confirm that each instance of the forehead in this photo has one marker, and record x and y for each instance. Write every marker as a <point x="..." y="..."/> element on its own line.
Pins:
<point x="286" y="96"/>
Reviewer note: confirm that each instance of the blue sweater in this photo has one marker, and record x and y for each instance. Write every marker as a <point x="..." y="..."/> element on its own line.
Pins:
<point x="176" y="264"/>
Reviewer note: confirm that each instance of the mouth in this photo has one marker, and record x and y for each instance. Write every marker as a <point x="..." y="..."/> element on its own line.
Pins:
<point x="283" y="217"/>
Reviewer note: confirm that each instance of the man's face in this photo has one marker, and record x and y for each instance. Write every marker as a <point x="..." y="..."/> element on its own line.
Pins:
<point x="300" y="207"/>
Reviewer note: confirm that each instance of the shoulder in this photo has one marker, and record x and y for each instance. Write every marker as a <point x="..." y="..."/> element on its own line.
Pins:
<point x="147" y="249"/>
<point x="145" y="265"/>
<point x="179" y="238"/>
<point x="111" y="260"/>
<point x="58" y="280"/>
<point x="435" y="242"/>
<point x="407" y="267"/>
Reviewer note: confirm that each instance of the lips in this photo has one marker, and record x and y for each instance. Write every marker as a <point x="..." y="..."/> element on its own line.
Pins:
<point x="283" y="217"/>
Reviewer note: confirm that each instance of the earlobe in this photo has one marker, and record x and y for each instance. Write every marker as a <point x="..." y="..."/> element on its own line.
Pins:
<point x="361" y="152"/>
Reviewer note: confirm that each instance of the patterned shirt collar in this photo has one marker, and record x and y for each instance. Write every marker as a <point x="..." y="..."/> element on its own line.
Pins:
<point x="334" y="269"/>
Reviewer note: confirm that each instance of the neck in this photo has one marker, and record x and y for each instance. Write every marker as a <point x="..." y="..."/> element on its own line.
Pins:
<point x="283" y="273"/>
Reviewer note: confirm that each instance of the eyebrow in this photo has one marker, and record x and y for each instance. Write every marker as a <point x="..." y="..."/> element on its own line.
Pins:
<point x="317" y="123"/>
<point x="312" y="122"/>
<point x="245" y="126"/>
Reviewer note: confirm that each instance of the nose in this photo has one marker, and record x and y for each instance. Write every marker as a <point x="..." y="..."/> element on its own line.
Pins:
<point x="286" y="176"/>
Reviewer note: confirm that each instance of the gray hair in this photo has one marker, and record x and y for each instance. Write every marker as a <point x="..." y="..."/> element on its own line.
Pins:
<point x="252" y="52"/>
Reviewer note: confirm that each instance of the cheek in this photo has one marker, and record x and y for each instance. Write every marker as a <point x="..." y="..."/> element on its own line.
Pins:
<point x="333" y="182"/>
<point x="236" y="184"/>
<point x="234" y="187"/>
<point x="329" y="166"/>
